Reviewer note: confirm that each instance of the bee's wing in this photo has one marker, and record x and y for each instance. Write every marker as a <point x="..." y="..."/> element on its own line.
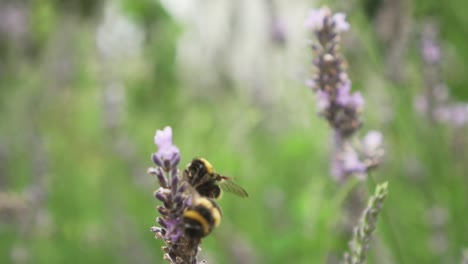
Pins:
<point x="228" y="185"/>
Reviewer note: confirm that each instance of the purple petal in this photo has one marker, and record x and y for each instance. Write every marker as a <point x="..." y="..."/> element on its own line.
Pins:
<point x="323" y="101"/>
<point x="310" y="83"/>
<point x="315" y="19"/>
<point x="460" y="114"/>
<point x="163" y="137"/>
<point x="357" y="100"/>
<point x="340" y="22"/>
<point x="343" y="96"/>
<point x="167" y="152"/>
<point x="372" y="141"/>
<point x="431" y="51"/>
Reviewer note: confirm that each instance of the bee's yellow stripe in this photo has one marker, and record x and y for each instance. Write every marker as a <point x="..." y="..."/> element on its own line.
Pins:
<point x="208" y="166"/>
<point x="204" y="202"/>
<point x="194" y="215"/>
<point x="217" y="217"/>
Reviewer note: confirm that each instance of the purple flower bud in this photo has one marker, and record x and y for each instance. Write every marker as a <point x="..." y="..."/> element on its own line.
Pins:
<point x="174" y="184"/>
<point x="161" y="177"/>
<point x="162" y="210"/>
<point x="156" y="160"/>
<point x="175" y="161"/>
<point x="160" y="196"/>
<point x="179" y="206"/>
<point x="158" y="232"/>
<point x="182" y="187"/>
<point x="174" y="172"/>
<point x="155" y="229"/>
<point x="161" y="222"/>
<point x="177" y="199"/>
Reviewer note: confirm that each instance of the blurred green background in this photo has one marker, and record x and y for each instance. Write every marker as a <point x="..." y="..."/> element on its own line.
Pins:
<point x="84" y="85"/>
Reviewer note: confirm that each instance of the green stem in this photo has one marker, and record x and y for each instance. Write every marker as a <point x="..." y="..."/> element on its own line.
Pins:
<point x="387" y="219"/>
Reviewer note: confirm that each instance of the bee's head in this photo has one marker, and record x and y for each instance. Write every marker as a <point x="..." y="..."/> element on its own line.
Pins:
<point x="202" y="163"/>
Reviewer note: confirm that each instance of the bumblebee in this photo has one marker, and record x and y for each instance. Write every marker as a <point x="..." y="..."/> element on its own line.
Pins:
<point x="201" y="217"/>
<point x="201" y="175"/>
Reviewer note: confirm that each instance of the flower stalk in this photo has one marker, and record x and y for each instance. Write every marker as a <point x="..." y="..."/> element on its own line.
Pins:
<point x="172" y="194"/>
<point x="362" y="234"/>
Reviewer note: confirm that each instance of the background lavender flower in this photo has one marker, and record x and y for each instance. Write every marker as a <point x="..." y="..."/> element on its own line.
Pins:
<point x="335" y="100"/>
<point x="435" y="103"/>
<point x="277" y="27"/>
<point x="179" y="248"/>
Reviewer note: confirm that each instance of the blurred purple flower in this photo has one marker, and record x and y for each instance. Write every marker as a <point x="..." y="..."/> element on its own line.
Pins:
<point x="343" y="94"/>
<point x="357" y="101"/>
<point x="430" y="47"/>
<point x="278" y="31"/>
<point x="431" y="51"/>
<point x="315" y="19"/>
<point x="335" y="101"/>
<point x="323" y="102"/>
<point x="435" y="103"/>
<point x="352" y="164"/>
<point x="372" y="141"/>
<point x="421" y="104"/>
<point x="163" y="139"/>
<point x="340" y="22"/>
<point x="345" y="162"/>
<point x="344" y="97"/>
<point x="459" y="114"/>
<point x="310" y="83"/>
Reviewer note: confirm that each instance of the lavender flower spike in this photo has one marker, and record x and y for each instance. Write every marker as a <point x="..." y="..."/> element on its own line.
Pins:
<point x="179" y="248"/>
<point x="335" y="100"/>
<point x="362" y="234"/>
